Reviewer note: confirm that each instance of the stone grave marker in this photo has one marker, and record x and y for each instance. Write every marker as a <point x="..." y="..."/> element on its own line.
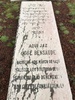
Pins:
<point x="38" y="70"/>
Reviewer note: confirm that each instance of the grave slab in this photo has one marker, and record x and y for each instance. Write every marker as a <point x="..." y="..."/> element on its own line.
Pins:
<point x="38" y="69"/>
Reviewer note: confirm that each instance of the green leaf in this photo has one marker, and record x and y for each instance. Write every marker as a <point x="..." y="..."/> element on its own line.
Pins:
<point x="13" y="41"/>
<point x="9" y="16"/>
<point x="57" y="12"/>
<point x="72" y="12"/>
<point x="66" y="32"/>
<point x="72" y="41"/>
<point x="10" y="45"/>
<point x="15" y="7"/>
<point x="71" y="7"/>
<point x="72" y="21"/>
<point x="4" y="38"/>
<point x="62" y="28"/>
<point x="61" y="24"/>
<point x="1" y="28"/>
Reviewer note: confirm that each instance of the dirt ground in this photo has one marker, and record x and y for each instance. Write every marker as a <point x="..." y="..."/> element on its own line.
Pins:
<point x="6" y="52"/>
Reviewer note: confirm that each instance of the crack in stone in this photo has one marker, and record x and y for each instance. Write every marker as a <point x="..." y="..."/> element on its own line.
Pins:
<point x="19" y="87"/>
<point x="51" y="89"/>
<point x="32" y="90"/>
<point x="25" y="37"/>
<point x="24" y="94"/>
<point x="52" y="92"/>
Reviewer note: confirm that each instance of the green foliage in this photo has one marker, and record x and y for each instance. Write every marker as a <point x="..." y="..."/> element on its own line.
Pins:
<point x="4" y="38"/>
<point x="15" y="7"/>
<point x="57" y="12"/>
<point x="10" y="45"/>
<point x="13" y="42"/>
<point x="72" y="41"/>
<point x="9" y="15"/>
<point x="10" y="8"/>
<point x="71" y="7"/>
<point x="72" y="21"/>
<point x="72" y="79"/>
<point x="1" y="28"/>
<point x="66" y="31"/>
<point x="63" y="28"/>
<point x="58" y="3"/>
<point x="61" y="24"/>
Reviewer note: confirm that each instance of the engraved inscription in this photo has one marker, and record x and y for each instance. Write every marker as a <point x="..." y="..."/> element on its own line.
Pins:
<point x="38" y="69"/>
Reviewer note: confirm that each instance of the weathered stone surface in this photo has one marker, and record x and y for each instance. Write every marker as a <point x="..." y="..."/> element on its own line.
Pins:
<point x="38" y="70"/>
